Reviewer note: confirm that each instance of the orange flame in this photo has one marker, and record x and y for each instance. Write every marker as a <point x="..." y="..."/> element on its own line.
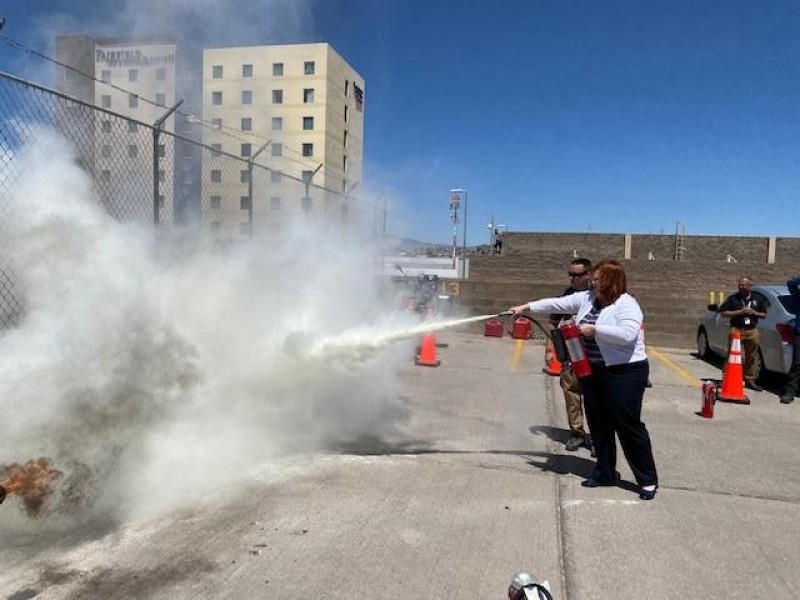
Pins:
<point x="33" y="481"/>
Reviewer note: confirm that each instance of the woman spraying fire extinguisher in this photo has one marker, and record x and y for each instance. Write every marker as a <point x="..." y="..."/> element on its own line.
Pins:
<point x="610" y="324"/>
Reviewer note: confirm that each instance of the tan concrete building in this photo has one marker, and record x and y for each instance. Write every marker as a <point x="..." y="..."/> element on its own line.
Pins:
<point x="297" y="110"/>
<point x="129" y="77"/>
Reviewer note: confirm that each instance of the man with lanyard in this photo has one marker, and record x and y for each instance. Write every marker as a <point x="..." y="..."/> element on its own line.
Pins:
<point x="579" y="272"/>
<point x="793" y="379"/>
<point x="744" y="310"/>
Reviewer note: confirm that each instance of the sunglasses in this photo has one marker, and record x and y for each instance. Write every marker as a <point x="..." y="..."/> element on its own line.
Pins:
<point x="571" y="274"/>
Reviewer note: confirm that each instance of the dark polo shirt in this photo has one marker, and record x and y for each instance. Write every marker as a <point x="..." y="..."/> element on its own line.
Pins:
<point x="737" y="302"/>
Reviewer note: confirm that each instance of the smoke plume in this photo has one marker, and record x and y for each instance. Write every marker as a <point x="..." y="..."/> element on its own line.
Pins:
<point x="151" y="368"/>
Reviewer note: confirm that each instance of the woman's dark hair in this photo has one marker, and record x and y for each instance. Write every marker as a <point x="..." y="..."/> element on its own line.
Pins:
<point x="610" y="281"/>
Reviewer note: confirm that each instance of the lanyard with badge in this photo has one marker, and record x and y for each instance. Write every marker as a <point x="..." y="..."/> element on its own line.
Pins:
<point x="747" y="304"/>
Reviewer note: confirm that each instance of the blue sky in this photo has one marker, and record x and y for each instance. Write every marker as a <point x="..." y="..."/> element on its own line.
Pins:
<point x="555" y="115"/>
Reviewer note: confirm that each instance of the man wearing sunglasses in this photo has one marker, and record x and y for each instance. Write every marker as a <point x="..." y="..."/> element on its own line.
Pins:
<point x="579" y="273"/>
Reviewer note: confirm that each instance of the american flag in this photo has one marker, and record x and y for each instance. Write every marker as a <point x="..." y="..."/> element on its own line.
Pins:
<point x="359" y="94"/>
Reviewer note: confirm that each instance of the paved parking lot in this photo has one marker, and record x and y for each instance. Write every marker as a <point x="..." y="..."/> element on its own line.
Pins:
<point x="471" y="486"/>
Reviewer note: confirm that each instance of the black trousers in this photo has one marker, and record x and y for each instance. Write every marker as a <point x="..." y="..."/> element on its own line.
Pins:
<point x="793" y="379"/>
<point x="612" y="398"/>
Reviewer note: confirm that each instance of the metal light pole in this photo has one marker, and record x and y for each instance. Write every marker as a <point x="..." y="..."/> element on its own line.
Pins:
<point x="455" y="196"/>
<point x="455" y="203"/>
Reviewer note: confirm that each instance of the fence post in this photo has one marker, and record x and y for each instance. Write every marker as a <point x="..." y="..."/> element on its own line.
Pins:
<point x="250" y="163"/>
<point x="156" y="137"/>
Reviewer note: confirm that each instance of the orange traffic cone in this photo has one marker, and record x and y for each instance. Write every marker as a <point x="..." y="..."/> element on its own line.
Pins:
<point x="733" y="376"/>
<point x="553" y="364"/>
<point x="427" y="352"/>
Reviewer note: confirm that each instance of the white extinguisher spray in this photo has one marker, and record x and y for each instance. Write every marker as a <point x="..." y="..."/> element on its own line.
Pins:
<point x="577" y="353"/>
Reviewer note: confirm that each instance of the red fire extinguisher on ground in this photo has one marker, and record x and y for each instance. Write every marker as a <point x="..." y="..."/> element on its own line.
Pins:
<point x="571" y="334"/>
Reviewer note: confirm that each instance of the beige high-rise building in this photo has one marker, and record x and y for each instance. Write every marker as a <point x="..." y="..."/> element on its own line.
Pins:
<point x="300" y="109"/>
<point x="120" y="75"/>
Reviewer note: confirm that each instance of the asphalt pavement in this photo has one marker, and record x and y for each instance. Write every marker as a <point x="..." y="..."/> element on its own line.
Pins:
<point x="472" y="486"/>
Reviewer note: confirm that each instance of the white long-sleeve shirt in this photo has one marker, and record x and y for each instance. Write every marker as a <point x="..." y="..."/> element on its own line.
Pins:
<point x="618" y="331"/>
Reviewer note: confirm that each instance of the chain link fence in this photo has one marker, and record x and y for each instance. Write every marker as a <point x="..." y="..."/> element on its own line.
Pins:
<point x="149" y="174"/>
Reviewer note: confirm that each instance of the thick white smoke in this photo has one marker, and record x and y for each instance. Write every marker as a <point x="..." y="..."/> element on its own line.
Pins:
<point x="153" y="369"/>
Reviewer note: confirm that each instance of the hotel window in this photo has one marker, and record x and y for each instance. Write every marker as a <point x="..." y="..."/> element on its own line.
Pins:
<point x="133" y="101"/>
<point x="244" y="176"/>
<point x="244" y="202"/>
<point x="161" y="201"/>
<point x="162" y="175"/>
<point x="133" y="150"/>
<point x="216" y="98"/>
<point x="309" y="67"/>
<point x="308" y="123"/>
<point x="307" y="175"/>
<point x="162" y="150"/>
<point x="276" y="149"/>
<point x="105" y="126"/>
<point x="247" y="97"/>
<point x="216" y="72"/>
<point x="345" y="113"/>
<point x="105" y="76"/>
<point x="277" y="69"/>
<point x="161" y="74"/>
<point x="345" y="138"/>
<point x="308" y="95"/>
<point x="216" y="149"/>
<point x="133" y="74"/>
<point x="105" y="101"/>
<point x="216" y="123"/>
<point x="161" y="99"/>
<point x="275" y="176"/>
<point x="246" y="150"/>
<point x="277" y="123"/>
<point x="133" y="127"/>
<point x="247" y="70"/>
<point x="308" y="149"/>
<point x="346" y="87"/>
<point x="216" y="176"/>
<point x="277" y="96"/>
<point x="247" y="124"/>
<point x="105" y="174"/>
<point x="275" y="203"/>
<point x="105" y="151"/>
<point x="344" y="163"/>
<point x="216" y="202"/>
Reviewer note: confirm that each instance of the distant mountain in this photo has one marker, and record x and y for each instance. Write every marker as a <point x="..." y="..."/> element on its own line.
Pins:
<point x="400" y="244"/>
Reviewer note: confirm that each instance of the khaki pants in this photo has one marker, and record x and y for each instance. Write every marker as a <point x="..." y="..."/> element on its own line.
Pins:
<point x="572" y="398"/>
<point x="749" y="350"/>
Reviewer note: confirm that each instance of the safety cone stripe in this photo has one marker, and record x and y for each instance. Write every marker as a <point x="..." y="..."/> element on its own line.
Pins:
<point x="732" y="389"/>
<point x="553" y="365"/>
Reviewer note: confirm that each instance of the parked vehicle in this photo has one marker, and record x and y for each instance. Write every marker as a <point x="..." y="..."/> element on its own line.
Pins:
<point x="776" y="330"/>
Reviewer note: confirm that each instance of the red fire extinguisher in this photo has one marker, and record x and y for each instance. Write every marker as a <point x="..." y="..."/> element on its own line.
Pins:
<point x="577" y="353"/>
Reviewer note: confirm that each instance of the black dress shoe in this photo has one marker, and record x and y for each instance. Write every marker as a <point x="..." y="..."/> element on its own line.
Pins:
<point x="752" y="385"/>
<point x="593" y="483"/>
<point x="647" y="494"/>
